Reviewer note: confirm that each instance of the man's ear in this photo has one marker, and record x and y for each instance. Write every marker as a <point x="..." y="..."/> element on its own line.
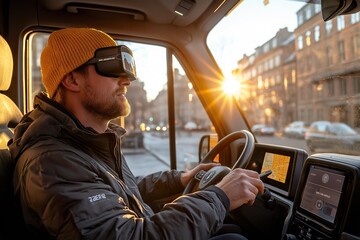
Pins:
<point x="70" y="82"/>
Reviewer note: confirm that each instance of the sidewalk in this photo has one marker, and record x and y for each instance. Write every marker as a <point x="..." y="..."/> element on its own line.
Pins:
<point x="142" y="161"/>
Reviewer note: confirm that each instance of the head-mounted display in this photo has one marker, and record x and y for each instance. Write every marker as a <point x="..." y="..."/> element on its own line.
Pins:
<point x="115" y="62"/>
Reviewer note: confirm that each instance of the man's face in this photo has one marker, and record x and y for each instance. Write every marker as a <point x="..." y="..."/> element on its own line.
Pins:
<point x="104" y="96"/>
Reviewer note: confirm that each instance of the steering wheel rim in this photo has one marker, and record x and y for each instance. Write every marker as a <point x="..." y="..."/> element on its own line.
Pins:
<point x="241" y="162"/>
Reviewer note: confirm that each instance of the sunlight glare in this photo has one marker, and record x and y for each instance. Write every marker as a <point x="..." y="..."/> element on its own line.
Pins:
<point x="231" y="87"/>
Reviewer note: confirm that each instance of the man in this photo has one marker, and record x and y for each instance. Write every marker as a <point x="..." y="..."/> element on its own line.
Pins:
<point x="71" y="177"/>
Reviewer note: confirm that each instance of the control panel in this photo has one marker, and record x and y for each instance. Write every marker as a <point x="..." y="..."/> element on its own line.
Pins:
<point x="326" y="205"/>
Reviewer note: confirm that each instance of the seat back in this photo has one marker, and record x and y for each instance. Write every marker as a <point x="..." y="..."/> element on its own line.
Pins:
<point x="9" y="112"/>
<point x="11" y="224"/>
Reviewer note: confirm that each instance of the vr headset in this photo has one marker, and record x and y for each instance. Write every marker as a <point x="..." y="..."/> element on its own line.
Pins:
<point x="117" y="61"/>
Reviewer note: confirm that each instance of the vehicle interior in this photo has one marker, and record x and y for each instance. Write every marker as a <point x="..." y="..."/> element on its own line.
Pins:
<point x="309" y="195"/>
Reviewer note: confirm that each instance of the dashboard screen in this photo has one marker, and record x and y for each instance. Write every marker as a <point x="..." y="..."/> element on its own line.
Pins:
<point x="278" y="163"/>
<point x="322" y="192"/>
<point x="283" y="162"/>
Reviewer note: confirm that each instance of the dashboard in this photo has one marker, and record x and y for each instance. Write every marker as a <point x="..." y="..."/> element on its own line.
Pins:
<point x="307" y="197"/>
<point x="326" y="205"/>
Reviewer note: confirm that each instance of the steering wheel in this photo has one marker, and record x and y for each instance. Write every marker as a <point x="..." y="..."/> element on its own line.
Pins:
<point x="215" y="174"/>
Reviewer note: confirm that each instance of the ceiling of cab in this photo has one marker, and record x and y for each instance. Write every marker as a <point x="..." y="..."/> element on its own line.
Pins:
<point x="156" y="11"/>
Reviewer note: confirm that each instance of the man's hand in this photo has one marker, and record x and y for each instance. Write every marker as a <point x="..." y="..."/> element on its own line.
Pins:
<point x="241" y="186"/>
<point x="187" y="176"/>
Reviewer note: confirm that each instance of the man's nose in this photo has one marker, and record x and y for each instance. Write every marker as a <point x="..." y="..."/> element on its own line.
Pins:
<point x="124" y="81"/>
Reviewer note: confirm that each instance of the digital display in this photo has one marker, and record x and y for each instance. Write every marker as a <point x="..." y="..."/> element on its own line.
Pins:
<point x="322" y="192"/>
<point x="282" y="161"/>
<point x="279" y="164"/>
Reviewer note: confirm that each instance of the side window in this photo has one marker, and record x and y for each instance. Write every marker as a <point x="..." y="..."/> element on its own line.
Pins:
<point x="36" y="43"/>
<point x="191" y="120"/>
<point x="147" y="143"/>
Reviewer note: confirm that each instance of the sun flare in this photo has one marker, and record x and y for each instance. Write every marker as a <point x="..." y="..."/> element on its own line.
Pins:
<point x="231" y="87"/>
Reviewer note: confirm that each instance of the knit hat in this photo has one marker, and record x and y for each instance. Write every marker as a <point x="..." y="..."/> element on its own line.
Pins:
<point x="68" y="49"/>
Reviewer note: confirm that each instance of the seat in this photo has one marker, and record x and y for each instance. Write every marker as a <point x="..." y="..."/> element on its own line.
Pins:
<point x="9" y="112"/>
<point x="10" y="222"/>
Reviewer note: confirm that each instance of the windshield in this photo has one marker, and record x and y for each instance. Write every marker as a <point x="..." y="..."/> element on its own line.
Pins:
<point x="292" y="67"/>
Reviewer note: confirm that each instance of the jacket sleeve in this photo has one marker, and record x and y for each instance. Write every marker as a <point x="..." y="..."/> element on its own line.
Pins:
<point x="160" y="185"/>
<point x="71" y="198"/>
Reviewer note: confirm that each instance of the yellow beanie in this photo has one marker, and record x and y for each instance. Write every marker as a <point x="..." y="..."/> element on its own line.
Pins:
<point x="68" y="49"/>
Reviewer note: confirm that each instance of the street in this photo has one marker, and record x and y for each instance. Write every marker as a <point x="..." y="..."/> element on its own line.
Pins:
<point x="155" y="156"/>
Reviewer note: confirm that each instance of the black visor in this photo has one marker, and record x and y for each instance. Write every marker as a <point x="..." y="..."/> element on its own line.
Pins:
<point x="115" y="62"/>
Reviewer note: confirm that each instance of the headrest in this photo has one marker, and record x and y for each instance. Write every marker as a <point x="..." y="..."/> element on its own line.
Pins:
<point x="6" y="65"/>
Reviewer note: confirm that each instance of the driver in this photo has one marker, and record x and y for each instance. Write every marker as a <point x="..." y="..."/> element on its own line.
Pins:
<point x="71" y="177"/>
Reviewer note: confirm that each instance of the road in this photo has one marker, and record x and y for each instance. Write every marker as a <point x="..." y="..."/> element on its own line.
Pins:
<point x="155" y="156"/>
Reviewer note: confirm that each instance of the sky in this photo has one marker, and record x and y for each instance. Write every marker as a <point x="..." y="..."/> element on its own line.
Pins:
<point x="250" y="25"/>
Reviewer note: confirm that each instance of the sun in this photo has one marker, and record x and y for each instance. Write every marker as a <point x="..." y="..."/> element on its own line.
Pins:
<point x="231" y="87"/>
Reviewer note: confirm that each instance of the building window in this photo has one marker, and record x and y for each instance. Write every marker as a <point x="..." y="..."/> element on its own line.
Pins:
<point x="357" y="116"/>
<point x="260" y="83"/>
<point x="274" y="43"/>
<point x="328" y="27"/>
<point x="310" y="91"/>
<point x="271" y="63"/>
<point x="308" y="62"/>
<point x="341" y="48"/>
<point x="356" y="44"/>
<point x="300" y="42"/>
<point x="317" y="8"/>
<point x="253" y="72"/>
<point x="277" y="60"/>
<point x="302" y="113"/>
<point x="317" y="33"/>
<point x="319" y="90"/>
<point x="340" y="20"/>
<point x="266" y="83"/>
<point x="356" y="82"/>
<point x="331" y="89"/>
<point x="278" y="79"/>
<point x="329" y="56"/>
<point x="309" y="117"/>
<point x="355" y="17"/>
<point x="300" y="19"/>
<point x="266" y="47"/>
<point x="308" y="38"/>
<point x="342" y="86"/>
<point x="300" y="65"/>
<point x="293" y="76"/>
<point x="320" y="114"/>
<point x="308" y="12"/>
<point x="272" y="81"/>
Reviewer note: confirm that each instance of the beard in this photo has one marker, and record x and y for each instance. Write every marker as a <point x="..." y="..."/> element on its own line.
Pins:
<point x="109" y="107"/>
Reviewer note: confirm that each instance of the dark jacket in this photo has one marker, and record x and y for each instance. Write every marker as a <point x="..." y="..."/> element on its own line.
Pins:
<point x="74" y="183"/>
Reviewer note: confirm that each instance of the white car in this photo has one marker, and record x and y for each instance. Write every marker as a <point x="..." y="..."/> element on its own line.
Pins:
<point x="263" y="130"/>
<point x="296" y="129"/>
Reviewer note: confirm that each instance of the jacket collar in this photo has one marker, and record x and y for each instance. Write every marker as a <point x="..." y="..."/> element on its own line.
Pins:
<point x="51" y="120"/>
<point x="63" y="115"/>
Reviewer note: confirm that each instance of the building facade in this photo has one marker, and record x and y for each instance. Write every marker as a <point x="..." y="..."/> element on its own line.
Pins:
<point x="321" y="94"/>
<point x="269" y="78"/>
<point x="306" y="74"/>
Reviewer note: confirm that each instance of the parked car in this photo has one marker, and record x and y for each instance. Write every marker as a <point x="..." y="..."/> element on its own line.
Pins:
<point x="263" y="130"/>
<point x="296" y="129"/>
<point x="333" y="136"/>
